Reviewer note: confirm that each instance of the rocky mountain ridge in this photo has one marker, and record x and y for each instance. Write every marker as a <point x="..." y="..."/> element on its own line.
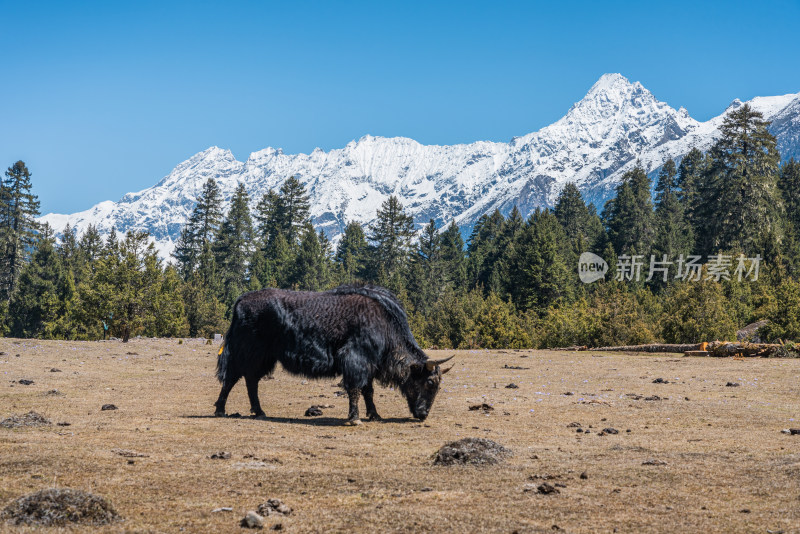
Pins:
<point x="601" y="137"/>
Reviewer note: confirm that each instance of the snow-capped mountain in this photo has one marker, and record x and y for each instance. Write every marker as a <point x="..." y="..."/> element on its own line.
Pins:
<point x="600" y="138"/>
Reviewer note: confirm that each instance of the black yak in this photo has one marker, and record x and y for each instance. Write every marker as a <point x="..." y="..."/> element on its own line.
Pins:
<point x="358" y="332"/>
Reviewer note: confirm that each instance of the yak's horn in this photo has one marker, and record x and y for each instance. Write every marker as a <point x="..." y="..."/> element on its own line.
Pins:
<point x="430" y="365"/>
<point x="448" y="369"/>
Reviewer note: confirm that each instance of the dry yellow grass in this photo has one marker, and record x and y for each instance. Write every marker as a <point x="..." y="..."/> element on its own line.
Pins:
<point x="722" y="446"/>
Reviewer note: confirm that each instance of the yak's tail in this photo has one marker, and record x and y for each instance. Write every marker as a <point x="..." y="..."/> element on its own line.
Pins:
<point x="224" y="356"/>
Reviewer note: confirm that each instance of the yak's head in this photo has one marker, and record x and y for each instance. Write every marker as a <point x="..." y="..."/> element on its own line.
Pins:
<point x="422" y="385"/>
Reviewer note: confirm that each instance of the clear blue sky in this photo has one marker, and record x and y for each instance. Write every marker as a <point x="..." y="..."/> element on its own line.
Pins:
<point x="102" y="98"/>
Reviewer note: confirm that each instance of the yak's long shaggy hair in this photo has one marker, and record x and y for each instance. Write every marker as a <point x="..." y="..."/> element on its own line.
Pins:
<point x="359" y="331"/>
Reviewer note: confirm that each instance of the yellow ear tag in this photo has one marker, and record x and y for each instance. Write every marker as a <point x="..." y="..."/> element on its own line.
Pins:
<point x="220" y="349"/>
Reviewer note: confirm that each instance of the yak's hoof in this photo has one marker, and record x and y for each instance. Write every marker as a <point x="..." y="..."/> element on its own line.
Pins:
<point x="352" y="422"/>
<point x="374" y="417"/>
<point x="260" y="417"/>
<point x="219" y="414"/>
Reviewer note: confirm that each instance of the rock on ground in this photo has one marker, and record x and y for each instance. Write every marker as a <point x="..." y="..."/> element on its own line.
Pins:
<point x="750" y="332"/>
<point x="58" y="507"/>
<point x="252" y="520"/>
<point x="274" y="506"/>
<point x="28" y="419"/>
<point x="314" y="411"/>
<point x="472" y="451"/>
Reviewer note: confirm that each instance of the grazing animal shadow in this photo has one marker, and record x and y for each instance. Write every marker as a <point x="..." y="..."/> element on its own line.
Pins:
<point x="311" y="421"/>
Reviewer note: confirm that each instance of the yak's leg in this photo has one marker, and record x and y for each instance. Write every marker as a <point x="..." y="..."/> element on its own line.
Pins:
<point x="252" y="393"/>
<point x="352" y="415"/>
<point x="227" y="386"/>
<point x="372" y="412"/>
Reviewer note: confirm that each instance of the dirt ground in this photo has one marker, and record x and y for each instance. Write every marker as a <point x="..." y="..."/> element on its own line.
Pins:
<point x="698" y="456"/>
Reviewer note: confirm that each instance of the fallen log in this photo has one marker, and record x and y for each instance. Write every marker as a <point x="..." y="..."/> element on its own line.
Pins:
<point x="696" y="353"/>
<point x="717" y="349"/>
<point x="652" y="347"/>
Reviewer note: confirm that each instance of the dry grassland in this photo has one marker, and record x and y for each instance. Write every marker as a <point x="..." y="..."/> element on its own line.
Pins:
<point x="722" y="464"/>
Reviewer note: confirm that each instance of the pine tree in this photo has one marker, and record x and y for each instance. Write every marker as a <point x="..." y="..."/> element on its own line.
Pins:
<point x="278" y="263"/>
<point x="390" y="237"/>
<point x="3" y="318"/>
<point x="282" y="219"/>
<point x="124" y="289"/>
<point x="68" y="249"/>
<point x="311" y="268"/>
<point x="326" y="246"/>
<point x="426" y="278"/>
<point x="742" y="187"/>
<point x="629" y="217"/>
<point x="581" y="224"/>
<point x="194" y="244"/>
<point x="233" y="247"/>
<point x="690" y="174"/>
<point x="209" y="271"/>
<point x="595" y="233"/>
<point x="91" y="244"/>
<point x="351" y="253"/>
<point x="19" y="208"/>
<point x="538" y="274"/>
<point x="510" y="228"/>
<point x="111" y="245"/>
<point x="513" y="224"/>
<point x="43" y="301"/>
<point x="89" y="250"/>
<point x="673" y="233"/>
<point x="487" y="244"/>
<point x="186" y="253"/>
<point x="292" y="209"/>
<point x="207" y="212"/>
<point x="267" y="216"/>
<point x="454" y="260"/>
<point x="789" y="187"/>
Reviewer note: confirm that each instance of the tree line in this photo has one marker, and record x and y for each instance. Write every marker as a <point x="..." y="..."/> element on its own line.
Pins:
<point x="514" y="283"/>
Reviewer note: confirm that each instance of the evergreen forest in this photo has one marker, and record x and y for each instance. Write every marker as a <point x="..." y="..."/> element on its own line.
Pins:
<point x="512" y="283"/>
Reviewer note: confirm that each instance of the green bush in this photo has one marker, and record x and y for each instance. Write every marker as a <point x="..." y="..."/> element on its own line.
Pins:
<point x="697" y="311"/>
<point x="783" y="313"/>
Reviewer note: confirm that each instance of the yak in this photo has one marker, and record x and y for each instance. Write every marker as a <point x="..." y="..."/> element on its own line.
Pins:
<point x="358" y="332"/>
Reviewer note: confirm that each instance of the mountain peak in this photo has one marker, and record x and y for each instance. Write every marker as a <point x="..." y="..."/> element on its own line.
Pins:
<point x="612" y="81"/>
<point x="211" y="152"/>
<point x="612" y="95"/>
<point x="615" y="88"/>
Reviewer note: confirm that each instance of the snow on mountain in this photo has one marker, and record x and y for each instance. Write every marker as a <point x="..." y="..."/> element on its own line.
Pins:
<point x="599" y="139"/>
<point x="786" y="127"/>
